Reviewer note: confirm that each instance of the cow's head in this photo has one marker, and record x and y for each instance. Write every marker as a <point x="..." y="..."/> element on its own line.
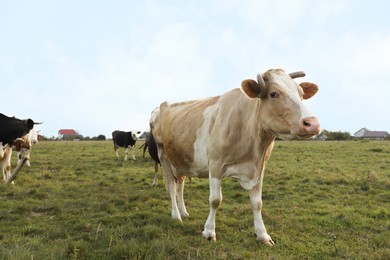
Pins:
<point x="134" y="134"/>
<point x="282" y="110"/>
<point x="34" y="136"/>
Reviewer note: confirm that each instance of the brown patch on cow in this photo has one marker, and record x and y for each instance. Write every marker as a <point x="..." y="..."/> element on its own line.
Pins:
<point x="309" y="89"/>
<point x="178" y="141"/>
<point x="235" y="129"/>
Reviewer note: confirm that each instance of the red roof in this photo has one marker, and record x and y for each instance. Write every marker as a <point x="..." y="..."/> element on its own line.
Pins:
<point x="67" y="132"/>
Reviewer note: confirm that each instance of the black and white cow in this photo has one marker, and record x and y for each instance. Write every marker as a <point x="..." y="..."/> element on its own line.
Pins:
<point x="13" y="133"/>
<point x="126" y="140"/>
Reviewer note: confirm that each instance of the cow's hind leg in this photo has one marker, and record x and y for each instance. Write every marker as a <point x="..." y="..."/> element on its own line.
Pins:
<point x="170" y="184"/>
<point x="215" y="200"/>
<point x="180" y="197"/>
<point x="260" y="231"/>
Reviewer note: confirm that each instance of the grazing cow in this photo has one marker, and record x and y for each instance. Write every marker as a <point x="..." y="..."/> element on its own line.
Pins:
<point x="231" y="135"/>
<point x="12" y="131"/>
<point x="126" y="140"/>
<point x="30" y="138"/>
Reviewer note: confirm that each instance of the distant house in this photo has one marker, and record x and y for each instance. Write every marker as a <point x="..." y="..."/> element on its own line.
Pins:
<point x="69" y="134"/>
<point x="364" y="133"/>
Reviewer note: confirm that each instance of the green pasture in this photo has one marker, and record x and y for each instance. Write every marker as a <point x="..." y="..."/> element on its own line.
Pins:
<point x="321" y="200"/>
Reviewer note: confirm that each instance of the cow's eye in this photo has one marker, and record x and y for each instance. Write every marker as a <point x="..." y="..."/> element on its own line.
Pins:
<point x="274" y="95"/>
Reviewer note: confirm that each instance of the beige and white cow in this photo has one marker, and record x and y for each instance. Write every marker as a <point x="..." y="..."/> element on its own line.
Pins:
<point x="23" y="152"/>
<point x="231" y="135"/>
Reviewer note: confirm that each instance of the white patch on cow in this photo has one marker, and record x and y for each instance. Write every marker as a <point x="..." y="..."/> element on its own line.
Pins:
<point x="242" y="173"/>
<point x="135" y="134"/>
<point x="153" y="117"/>
<point x="2" y="147"/>
<point x="291" y="90"/>
<point x="305" y="113"/>
<point x="5" y="159"/>
<point x="214" y="200"/>
<point x="202" y="138"/>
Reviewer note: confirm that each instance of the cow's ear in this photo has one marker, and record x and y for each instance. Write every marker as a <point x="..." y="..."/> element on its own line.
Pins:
<point x="309" y="89"/>
<point x="251" y="88"/>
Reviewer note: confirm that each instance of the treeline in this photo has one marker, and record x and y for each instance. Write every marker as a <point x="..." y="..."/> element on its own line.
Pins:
<point x="82" y="138"/>
<point x="339" y="135"/>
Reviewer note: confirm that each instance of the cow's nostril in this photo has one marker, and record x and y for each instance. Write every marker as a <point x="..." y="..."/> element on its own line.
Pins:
<point x="310" y="125"/>
<point x="306" y="123"/>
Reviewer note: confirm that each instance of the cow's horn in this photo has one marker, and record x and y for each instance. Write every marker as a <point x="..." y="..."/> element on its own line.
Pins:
<point x="38" y="123"/>
<point x="297" y="74"/>
<point x="261" y="83"/>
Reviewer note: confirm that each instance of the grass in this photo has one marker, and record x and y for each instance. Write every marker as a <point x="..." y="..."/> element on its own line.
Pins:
<point x="322" y="200"/>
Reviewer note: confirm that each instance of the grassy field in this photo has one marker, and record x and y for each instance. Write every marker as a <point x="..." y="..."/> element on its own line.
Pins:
<point x="322" y="200"/>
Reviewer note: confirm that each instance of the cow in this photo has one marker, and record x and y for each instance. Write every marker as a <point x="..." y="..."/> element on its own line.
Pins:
<point x="126" y="140"/>
<point x="30" y="138"/>
<point x="12" y="131"/>
<point x="231" y="135"/>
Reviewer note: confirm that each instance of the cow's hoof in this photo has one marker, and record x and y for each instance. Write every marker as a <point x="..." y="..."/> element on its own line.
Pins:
<point x="176" y="217"/>
<point x="184" y="215"/>
<point x="266" y="240"/>
<point x="210" y="236"/>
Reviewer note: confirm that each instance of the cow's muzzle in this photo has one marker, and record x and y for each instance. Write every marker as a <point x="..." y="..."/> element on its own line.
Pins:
<point x="309" y="126"/>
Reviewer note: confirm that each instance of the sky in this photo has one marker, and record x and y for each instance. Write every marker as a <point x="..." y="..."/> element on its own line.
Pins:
<point x="98" y="66"/>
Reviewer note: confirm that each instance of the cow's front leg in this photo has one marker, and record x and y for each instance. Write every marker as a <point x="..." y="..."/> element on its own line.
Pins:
<point x="180" y="198"/>
<point x="133" y="151"/>
<point x="260" y="231"/>
<point x="215" y="200"/>
<point x="116" y="152"/>
<point x="126" y="152"/>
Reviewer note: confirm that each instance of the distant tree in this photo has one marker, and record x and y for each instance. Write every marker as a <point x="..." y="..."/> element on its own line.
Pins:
<point x="101" y="138"/>
<point x="339" y="135"/>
